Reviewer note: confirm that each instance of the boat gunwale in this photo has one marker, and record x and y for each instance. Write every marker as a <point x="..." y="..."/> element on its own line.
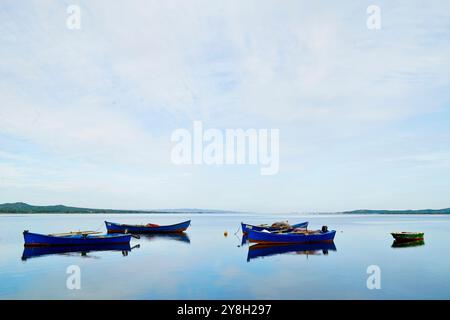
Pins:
<point x="145" y="226"/>
<point x="80" y="236"/>
<point x="33" y="239"/>
<point x="406" y="233"/>
<point x="291" y="238"/>
<point x="113" y="227"/>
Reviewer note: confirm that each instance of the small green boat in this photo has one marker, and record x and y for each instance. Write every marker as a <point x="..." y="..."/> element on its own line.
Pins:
<point x="407" y="236"/>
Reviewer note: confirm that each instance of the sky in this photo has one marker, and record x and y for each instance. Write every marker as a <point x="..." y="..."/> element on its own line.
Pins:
<point x="86" y="115"/>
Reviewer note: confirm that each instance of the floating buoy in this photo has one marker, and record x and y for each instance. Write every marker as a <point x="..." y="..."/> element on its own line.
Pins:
<point x="225" y="233"/>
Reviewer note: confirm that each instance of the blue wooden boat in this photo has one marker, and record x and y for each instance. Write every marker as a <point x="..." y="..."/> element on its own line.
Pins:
<point x="265" y="250"/>
<point x="73" y="239"/>
<point x="266" y="237"/>
<point x="33" y="252"/>
<point x="149" y="228"/>
<point x="246" y="227"/>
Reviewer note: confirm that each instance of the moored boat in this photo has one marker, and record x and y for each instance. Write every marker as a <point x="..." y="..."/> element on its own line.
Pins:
<point x="274" y="227"/>
<point x="73" y="239"/>
<point x="266" y="237"/>
<point x="113" y="227"/>
<point x="407" y="236"/>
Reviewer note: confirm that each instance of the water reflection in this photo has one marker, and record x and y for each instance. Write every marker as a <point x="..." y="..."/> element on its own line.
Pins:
<point x="179" y="236"/>
<point x="260" y="250"/>
<point x="407" y="244"/>
<point x="81" y="251"/>
<point x="244" y="240"/>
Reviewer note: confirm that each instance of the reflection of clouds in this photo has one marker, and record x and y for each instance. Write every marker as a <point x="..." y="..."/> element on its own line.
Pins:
<point x="213" y="267"/>
<point x="283" y="276"/>
<point x="111" y="277"/>
<point x="8" y="251"/>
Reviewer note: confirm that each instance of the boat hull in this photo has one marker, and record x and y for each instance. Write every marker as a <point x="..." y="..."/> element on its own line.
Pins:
<point x="136" y="229"/>
<point x="286" y="238"/>
<point x="407" y="236"/>
<point x="246" y="227"/>
<point x="37" y="240"/>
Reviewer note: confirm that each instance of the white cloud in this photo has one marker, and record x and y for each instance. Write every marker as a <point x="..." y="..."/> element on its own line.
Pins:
<point x="108" y="96"/>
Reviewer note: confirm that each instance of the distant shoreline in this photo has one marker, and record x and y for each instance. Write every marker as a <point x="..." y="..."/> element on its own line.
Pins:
<point x="125" y="212"/>
<point x="24" y="208"/>
<point x="231" y="212"/>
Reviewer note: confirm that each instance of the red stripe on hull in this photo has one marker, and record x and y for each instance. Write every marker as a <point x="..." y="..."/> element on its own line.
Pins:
<point x="408" y="239"/>
<point x="148" y="231"/>
<point x="28" y="245"/>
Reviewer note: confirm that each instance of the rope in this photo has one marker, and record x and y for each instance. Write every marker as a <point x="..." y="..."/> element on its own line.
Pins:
<point x="101" y="225"/>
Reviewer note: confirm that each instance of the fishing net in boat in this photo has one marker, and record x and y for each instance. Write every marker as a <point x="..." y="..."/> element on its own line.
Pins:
<point x="281" y="225"/>
<point x="152" y="225"/>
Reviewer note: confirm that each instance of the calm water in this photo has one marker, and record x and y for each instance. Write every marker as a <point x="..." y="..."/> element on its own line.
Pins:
<point x="206" y="265"/>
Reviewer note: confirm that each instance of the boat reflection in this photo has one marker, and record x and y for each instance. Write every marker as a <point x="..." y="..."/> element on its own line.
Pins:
<point x="83" y="251"/>
<point x="244" y="240"/>
<point x="178" y="236"/>
<point x="263" y="250"/>
<point x="407" y="244"/>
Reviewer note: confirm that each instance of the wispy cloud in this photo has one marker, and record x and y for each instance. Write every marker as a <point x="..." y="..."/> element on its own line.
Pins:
<point x="96" y="106"/>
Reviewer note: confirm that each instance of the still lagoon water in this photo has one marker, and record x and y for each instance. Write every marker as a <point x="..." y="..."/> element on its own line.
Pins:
<point x="206" y="264"/>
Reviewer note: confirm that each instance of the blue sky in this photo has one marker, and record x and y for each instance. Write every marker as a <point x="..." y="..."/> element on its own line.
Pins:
<point x="86" y="115"/>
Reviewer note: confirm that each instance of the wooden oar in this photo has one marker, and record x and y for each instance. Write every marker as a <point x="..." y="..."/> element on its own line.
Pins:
<point x="73" y="233"/>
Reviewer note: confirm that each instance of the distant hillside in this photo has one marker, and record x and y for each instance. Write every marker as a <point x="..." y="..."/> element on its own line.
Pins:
<point x="423" y="211"/>
<point x="20" y="207"/>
